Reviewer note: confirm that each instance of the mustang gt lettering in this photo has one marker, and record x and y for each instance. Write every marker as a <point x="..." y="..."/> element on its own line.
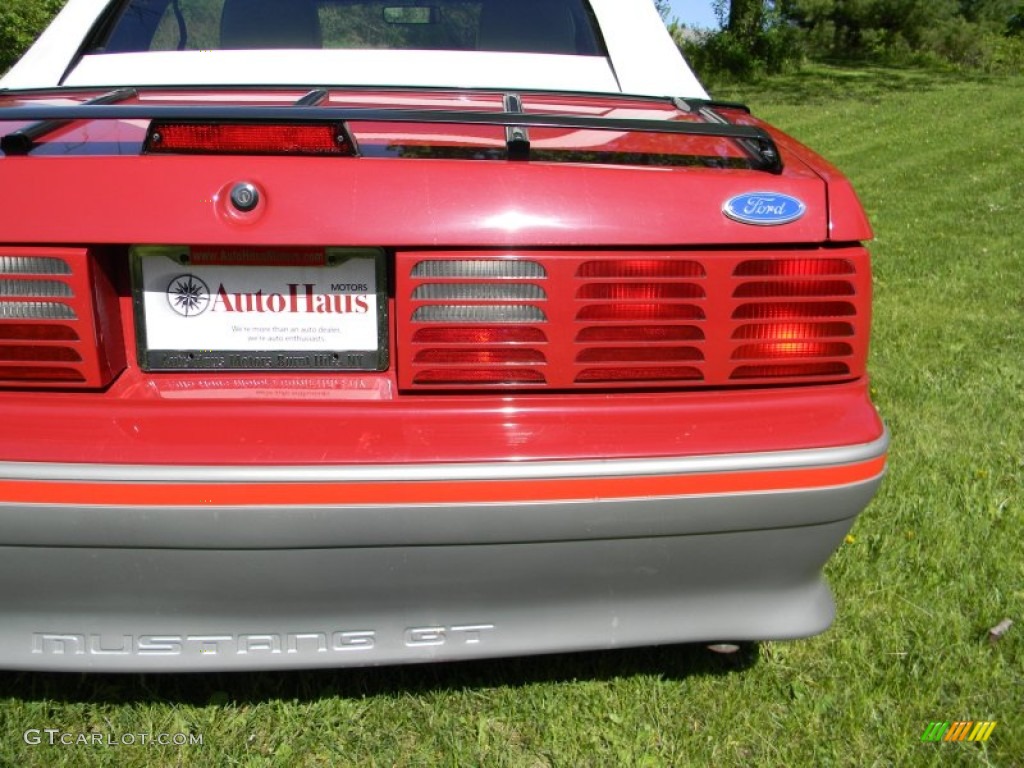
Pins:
<point x="438" y="344"/>
<point x="78" y="644"/>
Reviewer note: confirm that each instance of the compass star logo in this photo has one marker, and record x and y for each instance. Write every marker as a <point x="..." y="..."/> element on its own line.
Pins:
<point x="188" y="295"/>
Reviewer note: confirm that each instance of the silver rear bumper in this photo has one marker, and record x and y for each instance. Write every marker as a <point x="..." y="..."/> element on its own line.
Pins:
<point x="528" y="558"/>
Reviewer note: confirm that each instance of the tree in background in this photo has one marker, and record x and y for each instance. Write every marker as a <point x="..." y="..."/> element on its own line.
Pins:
<point x="1016" y="23"/>
<point x="744" y="17"/>
<point x="753" y="37"/>
<point x="858" y="27"/>
<point x="21" y="21"/>
<point x="766" y="36"/>
<point x="971" y="33"/>
<point x="997" y="12"/>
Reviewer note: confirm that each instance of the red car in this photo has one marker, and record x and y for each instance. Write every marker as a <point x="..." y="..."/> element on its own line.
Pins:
<point x="348" y="332"/>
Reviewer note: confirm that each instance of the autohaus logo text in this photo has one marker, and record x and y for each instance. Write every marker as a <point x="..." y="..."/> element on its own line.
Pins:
<point x="189" y="296"/>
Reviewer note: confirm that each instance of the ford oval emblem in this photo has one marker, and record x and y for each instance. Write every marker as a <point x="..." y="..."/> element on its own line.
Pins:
<point x="765" y="209"/>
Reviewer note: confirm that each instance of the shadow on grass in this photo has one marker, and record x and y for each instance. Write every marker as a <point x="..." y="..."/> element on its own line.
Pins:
<point x="198" y="689"/>
<point x="855" y="81"/>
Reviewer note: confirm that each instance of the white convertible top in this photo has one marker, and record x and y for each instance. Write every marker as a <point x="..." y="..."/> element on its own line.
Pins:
<point x="642" y="60"/>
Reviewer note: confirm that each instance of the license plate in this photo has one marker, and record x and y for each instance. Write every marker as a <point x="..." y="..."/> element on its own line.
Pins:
<point x="221" y="308"/>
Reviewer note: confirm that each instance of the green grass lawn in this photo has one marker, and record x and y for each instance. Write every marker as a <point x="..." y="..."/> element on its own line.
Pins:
<point x="933" y="563"/>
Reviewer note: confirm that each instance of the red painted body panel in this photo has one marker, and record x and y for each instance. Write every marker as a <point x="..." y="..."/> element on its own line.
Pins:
<point x="847" y="221"/>
<point x="145" y="420"/>
<point x="485" y="202"/>
<point x="390" y="202"/>
<point x="79" y="193"/>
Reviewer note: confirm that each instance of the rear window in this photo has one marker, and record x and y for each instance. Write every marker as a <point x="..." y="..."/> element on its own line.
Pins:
<point x="529" y="26"/>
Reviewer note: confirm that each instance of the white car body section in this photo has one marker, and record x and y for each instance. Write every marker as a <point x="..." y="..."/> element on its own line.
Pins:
<point x="642" y="60"/>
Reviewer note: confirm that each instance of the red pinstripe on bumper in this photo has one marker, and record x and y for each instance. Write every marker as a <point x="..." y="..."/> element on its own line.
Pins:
<point x="154" y="494"/>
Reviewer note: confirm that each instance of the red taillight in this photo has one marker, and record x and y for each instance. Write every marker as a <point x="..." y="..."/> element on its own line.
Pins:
<point x="632" y="312"/>
<point x="640" y="268"/>
<point x="638" y="375"/>
<point x="791" y="331"/>
<point x="619" y="320"/>
<point x="795" y="288"/>
<point x="38" y="375"/>
<point x="642" y="333"/>
<point x="638" y="354"/>
<point x="499" y="356"/>
<point x="483" y="335"/>
<point x="576" y="320"/>
<point x="470" y="376"/>
<point x="26" y="332"/>
<point x="249" y="138"/>
<point x="59" y="320"/>
<point x="791" y="371"/>
<point x="647" y="316"/>
<point x="799" y="336"/>
<point x="640" y="291"/>
<point x="476" y="322"/>
<point x="791" y="349"/>
<point x="10" y="352"/>
<point x="794" y="268"/>
<point x="794" y="310"/>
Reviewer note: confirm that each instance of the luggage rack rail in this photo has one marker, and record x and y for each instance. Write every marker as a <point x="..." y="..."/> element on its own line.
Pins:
<point x="755" y="141"/>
